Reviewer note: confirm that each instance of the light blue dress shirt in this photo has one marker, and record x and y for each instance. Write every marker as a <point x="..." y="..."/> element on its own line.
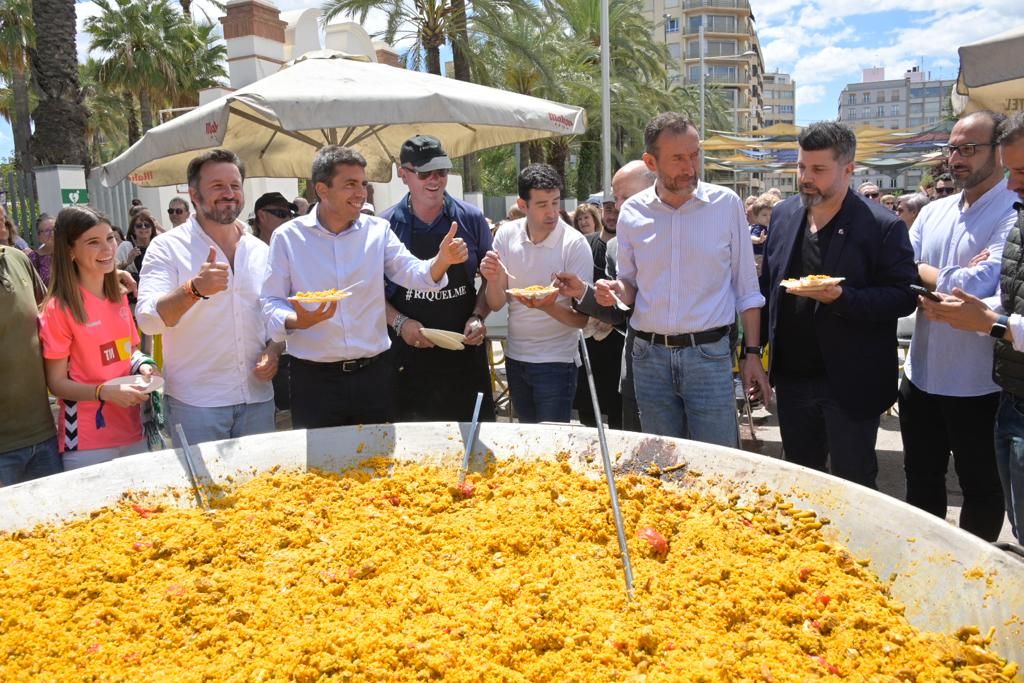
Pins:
<point x="693" y="267"/>
<point x="306" y="257"/>
<point x="943" y="360"/>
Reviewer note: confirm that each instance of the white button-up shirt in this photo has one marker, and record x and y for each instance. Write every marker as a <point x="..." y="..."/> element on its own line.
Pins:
<point x="307" y="257"/>
<point x="944" y="360"/>
<point x="533" y="335"/>
<point x="693" y="267"/>
<point x="210" y="355"/>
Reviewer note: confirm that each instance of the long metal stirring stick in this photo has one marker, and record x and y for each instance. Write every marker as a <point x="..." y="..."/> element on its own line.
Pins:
<point x="627" y="567"/>
<point x="200" y="499"/>
<point x="472" y="437"/>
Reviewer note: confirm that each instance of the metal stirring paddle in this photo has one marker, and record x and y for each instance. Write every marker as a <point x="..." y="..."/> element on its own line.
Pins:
<point x="627" y="567"/>
<point x="190" y="466"/>
<point x="473" y="428"/>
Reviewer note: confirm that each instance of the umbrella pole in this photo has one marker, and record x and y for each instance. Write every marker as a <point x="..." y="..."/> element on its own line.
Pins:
<point x="620" y="530"/>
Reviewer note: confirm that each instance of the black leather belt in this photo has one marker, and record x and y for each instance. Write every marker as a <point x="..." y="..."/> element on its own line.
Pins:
<point x="345" y="366"/>
<point x="683" y="340"/>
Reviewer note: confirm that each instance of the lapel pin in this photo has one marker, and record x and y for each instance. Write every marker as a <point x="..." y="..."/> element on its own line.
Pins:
<point x="842" y="231"/>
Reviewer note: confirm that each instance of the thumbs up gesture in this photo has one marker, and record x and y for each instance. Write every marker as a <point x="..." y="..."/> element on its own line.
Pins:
<point x="453" y="249"/>
<point x="213" y="276"/>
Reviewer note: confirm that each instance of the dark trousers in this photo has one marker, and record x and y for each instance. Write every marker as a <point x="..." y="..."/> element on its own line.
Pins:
<point x="816" y="429"/>
<point x="323" y="395"/>
<point x="606" y="362"/>
<point x="630" y="411"/>
<point x="432" y="387"/>
<point x="934" y="426"/>
<point x="282" y="383"/>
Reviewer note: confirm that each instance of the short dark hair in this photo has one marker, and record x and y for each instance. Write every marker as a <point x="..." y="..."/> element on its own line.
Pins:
<point x="829" y="135"/>
<point x="673" y="122"/>
<point x="1011" y="129"/>
<point x="329" y="157"/>
<point x="538" y="177"/>
<point x="944" y="178"/>
<point x="215" y="156"/>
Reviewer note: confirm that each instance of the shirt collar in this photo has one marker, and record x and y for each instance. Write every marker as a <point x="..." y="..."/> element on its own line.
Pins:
<point x="701" y="194"/>
<point x="992" y="195"/>
<point x="552" y="241"/>
<point x="406" y="215"/>
<point x="311" y="220"/>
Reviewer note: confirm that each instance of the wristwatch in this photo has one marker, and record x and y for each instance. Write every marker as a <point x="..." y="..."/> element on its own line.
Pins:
<point x="998" y="330"/>
<point x="757" y="350"/>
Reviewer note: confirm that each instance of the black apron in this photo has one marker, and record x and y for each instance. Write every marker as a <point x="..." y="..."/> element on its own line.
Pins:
<point x="434" y="383"/>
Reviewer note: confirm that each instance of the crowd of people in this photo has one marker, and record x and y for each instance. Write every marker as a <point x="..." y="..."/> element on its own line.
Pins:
<point x="671" y="278"/>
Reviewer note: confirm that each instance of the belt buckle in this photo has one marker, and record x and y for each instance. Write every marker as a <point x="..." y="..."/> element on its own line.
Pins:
<point x="349" y="365"/>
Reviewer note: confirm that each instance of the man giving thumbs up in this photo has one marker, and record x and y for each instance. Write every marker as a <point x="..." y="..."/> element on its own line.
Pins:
<point x="199" y="287"/>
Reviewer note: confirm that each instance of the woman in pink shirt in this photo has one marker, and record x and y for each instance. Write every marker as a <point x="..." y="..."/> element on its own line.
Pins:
<point x="89" y="338"/>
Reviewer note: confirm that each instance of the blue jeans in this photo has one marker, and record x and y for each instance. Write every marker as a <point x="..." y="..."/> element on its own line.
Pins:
<point x="541" y="392"/>
<point x="1010" y="458"/>
<point x="214" y="424"/>
<point x="31" y="462"/>
<point x="686" y="392"/>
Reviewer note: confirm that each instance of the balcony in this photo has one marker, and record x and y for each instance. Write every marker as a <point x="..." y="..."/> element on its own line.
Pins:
<point x="717" y="4"/>
<point x="719" y="25"/>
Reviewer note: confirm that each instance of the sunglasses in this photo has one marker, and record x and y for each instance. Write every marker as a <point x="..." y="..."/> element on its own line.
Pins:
<point x="426" y="175"/>
<point x="943" y="191"/>
<point x="144" y="224"/>
<point x="966" y="150"/>
<point x="871" y="195"/>
<point x="278" y="213"/>
<point x="177" y="212"/>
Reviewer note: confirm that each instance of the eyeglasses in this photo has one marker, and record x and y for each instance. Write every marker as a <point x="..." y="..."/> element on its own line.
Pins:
<point x="426" y="175"/>
<point x="966" y="150"/>
<point x="147" y="225"/>
<point x="176" y="212"/>
<point x="279" y="213"/>
<point x="871" y="195"/>
<point x="943" y="191"/>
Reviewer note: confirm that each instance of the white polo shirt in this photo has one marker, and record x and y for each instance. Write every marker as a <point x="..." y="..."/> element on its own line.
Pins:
<point x="533" y="335"/>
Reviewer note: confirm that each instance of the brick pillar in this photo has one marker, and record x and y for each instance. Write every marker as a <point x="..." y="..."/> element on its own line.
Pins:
<point x="254" y="34"/>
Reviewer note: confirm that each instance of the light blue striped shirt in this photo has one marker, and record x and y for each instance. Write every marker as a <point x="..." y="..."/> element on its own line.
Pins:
<point x="693" y="267"/>
<point x="306" y="257"/>
<point x="943" y="360"/>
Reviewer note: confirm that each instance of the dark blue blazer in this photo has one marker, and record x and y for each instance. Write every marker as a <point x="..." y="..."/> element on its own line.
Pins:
<point x="870" y="247"/>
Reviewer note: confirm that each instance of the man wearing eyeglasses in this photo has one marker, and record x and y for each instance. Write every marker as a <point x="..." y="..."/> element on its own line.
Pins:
<point x="944" y="185"/>
<point x="436" y="383"/>
<point x="947" y="398"/>
<point x="177" y="211"/>
<point x="870" y="190"/>
<point x="272" y="211"/>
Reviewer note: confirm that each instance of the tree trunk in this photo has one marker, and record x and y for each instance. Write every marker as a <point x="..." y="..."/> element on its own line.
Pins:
<point x="434" y="60"/>
<point x="536" y="151"/>
<point x="588" y="172"/>
<point x="145" y="111"/>
<point x="21" y="126"/>
<point x="558" y="156"/>
<point x="524" y="156"/>
<point x="186" y="9"/>
<point x="459" y="41"/>
<point x="133" y="121"/>
<point x="60" y="117"/>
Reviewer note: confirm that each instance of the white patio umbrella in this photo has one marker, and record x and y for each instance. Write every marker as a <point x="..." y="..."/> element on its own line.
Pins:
<point x="277" y="124"/>
<point x="992" y="74"/>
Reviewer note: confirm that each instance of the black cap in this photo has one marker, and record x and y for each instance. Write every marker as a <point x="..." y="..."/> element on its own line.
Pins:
<point x="424" y="153"/>
<point x="277" y="199"/>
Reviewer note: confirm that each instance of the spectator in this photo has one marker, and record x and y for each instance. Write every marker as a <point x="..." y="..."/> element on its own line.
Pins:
<point x="948" y="399"/>
<point x="762" y="213"/>
<point x="834" y="349"/>
<point x="301" y="206"/>
<point x="272" y="211"/>
<point x="747" y="204"/>
<point x="514" y="213"/>
<point x="542" y="336"/>
<point x="89" y="338"/>
<point x="869" y="190"/>
<point x="588" y="220"/>
<point x="42" y="256"/>
<point x="177" y="211"/>
<point x="944" y="186"/>
<point x="686" y="265"/>
<point x="927" y="187"/>
<point x="200" y="288"/>
<point x="910" y="206"/>
<point x="142" y="228"/>
<point x="969" y="313"/>
<point x="9" y="233"/>
<point x="777" y="192"/>
<point x="337" y="374"/>
<point x="889" y="202"/>
<point x="28" y="444"/>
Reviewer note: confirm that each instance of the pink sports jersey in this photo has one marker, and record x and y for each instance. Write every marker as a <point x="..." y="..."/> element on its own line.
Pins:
<point x="98" y="351"/>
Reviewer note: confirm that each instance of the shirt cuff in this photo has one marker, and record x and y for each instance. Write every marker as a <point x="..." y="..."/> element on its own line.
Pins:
<point x="755" y="300"/>
<point x="149" y="320"/>
<point x="1016" y="325"/>
<point x="276" y="324"/>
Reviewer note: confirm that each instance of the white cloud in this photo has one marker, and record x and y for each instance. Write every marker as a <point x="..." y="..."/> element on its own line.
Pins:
<point x="809" y="94"/>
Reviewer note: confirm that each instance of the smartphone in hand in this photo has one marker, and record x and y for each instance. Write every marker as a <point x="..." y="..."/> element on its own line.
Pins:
<point x="926" y="293"/>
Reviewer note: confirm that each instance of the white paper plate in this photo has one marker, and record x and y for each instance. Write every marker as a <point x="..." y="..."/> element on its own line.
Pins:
<point x="798" y="285"/>
<point x="155" y="382"/>
<point x="321" y="299"/>
<point x="453" y="341"/>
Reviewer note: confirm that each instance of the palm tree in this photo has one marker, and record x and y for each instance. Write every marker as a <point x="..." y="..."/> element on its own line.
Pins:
<point x="113" y="122"/>
<point x="60" y="118"/>
<point x="16" y="35"/>
<point x="141" y="42"/>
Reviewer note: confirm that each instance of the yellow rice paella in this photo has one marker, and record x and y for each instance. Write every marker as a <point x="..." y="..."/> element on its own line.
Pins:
<point x="515" y="577"/>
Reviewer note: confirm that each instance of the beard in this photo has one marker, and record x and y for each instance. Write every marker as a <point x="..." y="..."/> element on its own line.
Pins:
<point x="679" y="184"/>
<point x="977" y="177"/>
<point x="809" y="200"/>
<point x="224" y="214"/>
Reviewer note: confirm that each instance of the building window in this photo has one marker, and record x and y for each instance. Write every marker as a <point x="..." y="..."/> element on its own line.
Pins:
<point x="895" y="110"/>
<point x="713" y="23"/>
<point x="852" y="112"/>
<point x="865" y="98"/>
<point x="671" y="3"/>
<point x="894" y="96"/>
<point x="672" y="25"/>
<point x="674" y="51"/>
<point x="851" y="98"/>
<point x="866" y="114"/>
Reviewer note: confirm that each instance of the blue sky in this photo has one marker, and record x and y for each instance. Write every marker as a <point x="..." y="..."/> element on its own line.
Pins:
<point x="823" y="44"/>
